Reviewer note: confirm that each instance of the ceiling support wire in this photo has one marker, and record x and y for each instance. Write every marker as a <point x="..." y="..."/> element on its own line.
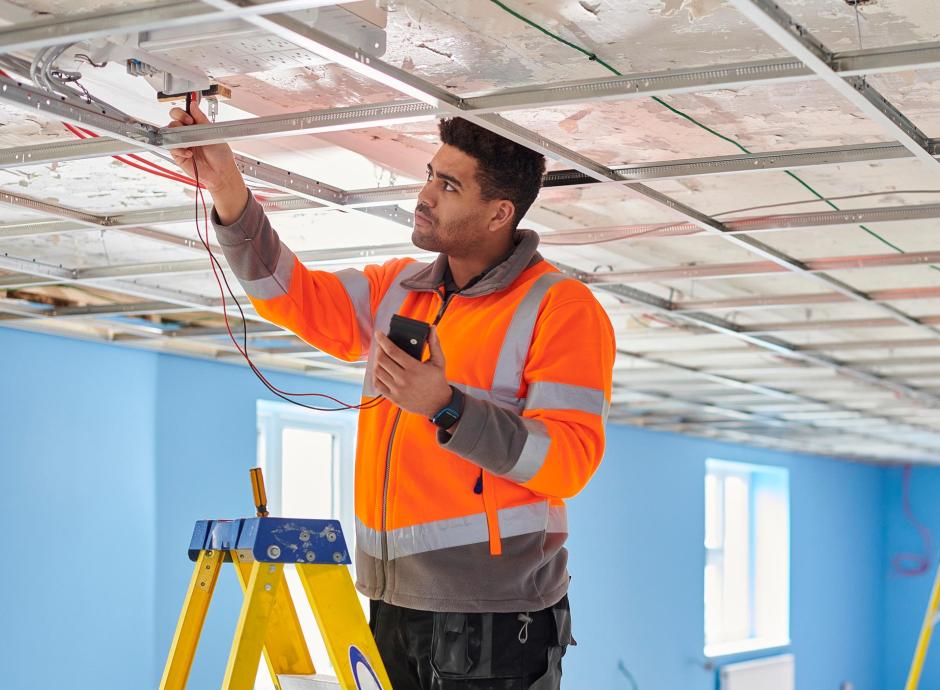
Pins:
<point x="858" y="24"/>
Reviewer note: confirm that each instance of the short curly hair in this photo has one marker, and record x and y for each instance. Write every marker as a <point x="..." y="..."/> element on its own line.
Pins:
<point x="506" y="170"/>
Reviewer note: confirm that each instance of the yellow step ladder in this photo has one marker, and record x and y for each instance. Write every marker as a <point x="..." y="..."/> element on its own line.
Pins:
<point x="259" y="548"/>
<point x="931" y="618"/>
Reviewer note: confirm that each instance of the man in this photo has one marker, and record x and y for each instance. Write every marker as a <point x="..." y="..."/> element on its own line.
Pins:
<point x="463" y="467"/>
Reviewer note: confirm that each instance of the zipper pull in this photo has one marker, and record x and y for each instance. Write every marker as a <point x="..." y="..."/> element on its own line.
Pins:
<point x="478" y="487"/>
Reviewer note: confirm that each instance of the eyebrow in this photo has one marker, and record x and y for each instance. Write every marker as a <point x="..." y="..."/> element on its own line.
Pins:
<point x="444" y="176"/>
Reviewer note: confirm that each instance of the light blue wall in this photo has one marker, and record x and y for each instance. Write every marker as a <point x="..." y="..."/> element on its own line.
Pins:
<point x="637" y="562"/>
<point x="206" y="419"/>
<point x="137" y="445"/>
<point x="78" y="514"/>
<point x="906" y="597"/>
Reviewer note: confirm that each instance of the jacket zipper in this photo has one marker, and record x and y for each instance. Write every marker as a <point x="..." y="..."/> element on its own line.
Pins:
<point x="445" y="301"/>
<point x="388" y="471"/>
<point x="488" y="490"/>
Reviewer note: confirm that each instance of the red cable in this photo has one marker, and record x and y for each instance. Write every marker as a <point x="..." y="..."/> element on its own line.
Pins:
<point x="147" y="162"/>
<point x="244" y="352"/>
<point x="228" y="327"/>
<point x="154" y="168"/>
<point x="912" y="564"/>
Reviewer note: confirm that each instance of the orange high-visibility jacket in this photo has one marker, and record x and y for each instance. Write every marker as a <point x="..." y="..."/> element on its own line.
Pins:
<point x="473" y="521"/>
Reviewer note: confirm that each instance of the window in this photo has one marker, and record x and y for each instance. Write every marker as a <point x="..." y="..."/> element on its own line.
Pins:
<point x="747" y="557"/>
<point x="308" y="461"/>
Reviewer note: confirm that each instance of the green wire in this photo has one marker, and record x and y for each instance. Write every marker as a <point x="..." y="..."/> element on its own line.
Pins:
<point x="594" y="58"/>
<point x="696" y="122"/>
<point x="591" y="56"/>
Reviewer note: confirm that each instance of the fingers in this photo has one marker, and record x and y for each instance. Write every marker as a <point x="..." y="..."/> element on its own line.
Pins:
<point x="181" y="154"/>
<point x="181" y="116"/>
<point x="195" y="116"/>
<point x="393" y="352"/>
<point x="383" y="381"/>
<point x="200" y="117"/>
<point x="392" y="372"/>
<point x="180" y="119"/>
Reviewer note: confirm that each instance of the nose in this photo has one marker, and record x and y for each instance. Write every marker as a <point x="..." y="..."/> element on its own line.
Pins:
<point x="426" y="195"/>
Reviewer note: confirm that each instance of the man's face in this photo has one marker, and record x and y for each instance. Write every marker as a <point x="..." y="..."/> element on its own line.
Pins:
<point x="451" y="217"/>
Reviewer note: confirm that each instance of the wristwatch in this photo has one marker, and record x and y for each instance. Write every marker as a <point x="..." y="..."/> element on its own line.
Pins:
<point x="450" y="413"/>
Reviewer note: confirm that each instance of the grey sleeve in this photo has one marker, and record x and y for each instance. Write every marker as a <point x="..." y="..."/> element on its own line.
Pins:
<point x="498" y="440"/>
<point x="255" y="253"/>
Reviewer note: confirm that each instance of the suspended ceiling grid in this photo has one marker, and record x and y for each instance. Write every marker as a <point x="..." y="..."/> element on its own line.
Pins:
<point x="744" y="308"/>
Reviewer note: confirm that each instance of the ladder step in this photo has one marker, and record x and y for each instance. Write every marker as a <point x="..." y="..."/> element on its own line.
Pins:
<point x="317" y="682"/>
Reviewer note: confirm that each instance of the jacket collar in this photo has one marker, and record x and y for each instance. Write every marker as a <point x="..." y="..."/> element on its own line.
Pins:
<point x="431" y="277"/>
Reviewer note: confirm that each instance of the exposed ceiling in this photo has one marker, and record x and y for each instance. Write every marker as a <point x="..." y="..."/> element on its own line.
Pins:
<point x="754" y="199"/>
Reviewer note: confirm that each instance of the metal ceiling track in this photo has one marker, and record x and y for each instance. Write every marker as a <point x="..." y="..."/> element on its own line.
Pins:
<point x="438" y="99"/>
<point x="130" y="135"/>
<point x="771" y="420"/>
<point x="132" y="222"/>
<point x="162" y="15"/>
<point x="766" y="161"/>
<point x="771" y="19"/>
<point x="75" y="28"/>
<point x="362" y="63"/>
<point x="776" y="345"/>
<point x="804" y="299"/>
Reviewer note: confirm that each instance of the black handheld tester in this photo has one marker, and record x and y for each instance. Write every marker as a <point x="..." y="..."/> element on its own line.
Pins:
<point x="410" y="335"/>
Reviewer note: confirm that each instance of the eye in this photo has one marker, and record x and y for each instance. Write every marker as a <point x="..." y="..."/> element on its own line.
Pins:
<point x="448" y="187"/>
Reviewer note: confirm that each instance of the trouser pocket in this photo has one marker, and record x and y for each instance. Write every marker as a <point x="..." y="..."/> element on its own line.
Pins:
<point x="495" y="651"/>
<point x="461" y="645"/>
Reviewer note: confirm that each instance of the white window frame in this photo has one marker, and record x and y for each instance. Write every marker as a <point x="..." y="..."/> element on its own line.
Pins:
<point x="762" y="582"/>
<point x="273" y="418"/>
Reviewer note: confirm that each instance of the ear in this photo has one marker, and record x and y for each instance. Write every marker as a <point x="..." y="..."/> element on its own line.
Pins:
<point x="503" y="213"/>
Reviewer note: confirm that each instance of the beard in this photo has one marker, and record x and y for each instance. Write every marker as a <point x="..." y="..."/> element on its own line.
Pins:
<point x="454" y="238"/>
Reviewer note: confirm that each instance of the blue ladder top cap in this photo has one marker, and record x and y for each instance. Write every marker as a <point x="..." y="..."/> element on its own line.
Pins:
<point x="273" y="540"/>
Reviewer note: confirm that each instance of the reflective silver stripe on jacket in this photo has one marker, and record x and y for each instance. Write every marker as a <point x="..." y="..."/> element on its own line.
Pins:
<point x="278" y="282"/>
<point x="533" y="453"/>
<point x="461" y="531"/>
<point x="515" y="348"/>
<point x="514" y="404"/>
<point x="547" y="395"/>
<point x="356" y="286"/>
<point x="391" y="302"/>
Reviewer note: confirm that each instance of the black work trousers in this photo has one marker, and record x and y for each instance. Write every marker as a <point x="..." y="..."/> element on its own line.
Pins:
<point x="426" y="650"/>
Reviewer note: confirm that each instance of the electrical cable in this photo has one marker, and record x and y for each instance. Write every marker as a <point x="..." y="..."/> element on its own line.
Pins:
<point x="622" y="667"/>
<point x="558" y="237"/>
<point x="243" y="349"/>
<point x="831" y="198"/>
<point x="148" y="166"/>
<point x="157" y="169"/>
<point x="593" y="57"/>
<point x="912" y="564"/>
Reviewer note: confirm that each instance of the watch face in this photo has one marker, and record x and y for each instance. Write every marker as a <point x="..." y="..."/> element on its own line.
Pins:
<point x="446" y="418"/>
